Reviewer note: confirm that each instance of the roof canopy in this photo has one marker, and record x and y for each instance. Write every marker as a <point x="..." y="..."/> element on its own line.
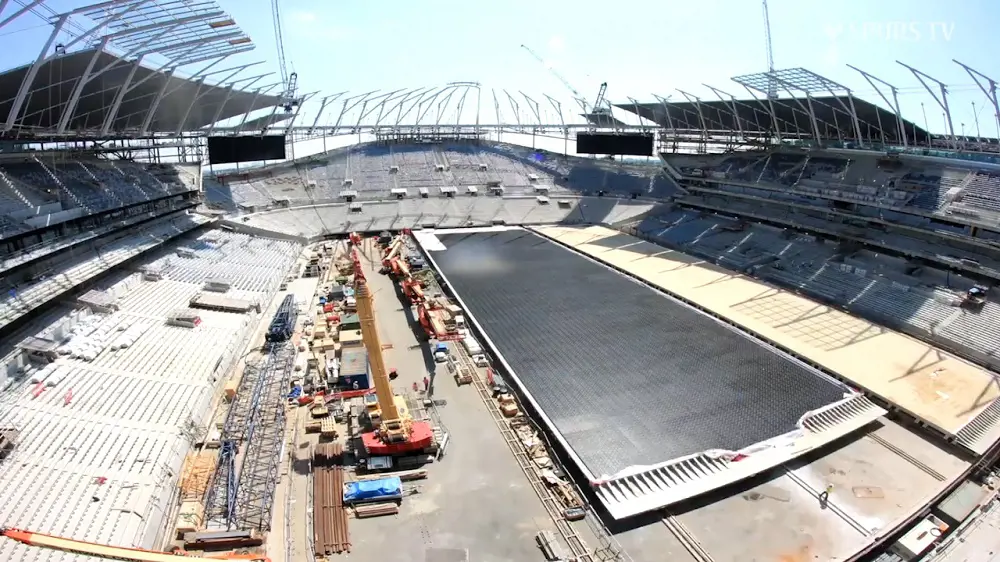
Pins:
<point x="791" y="118"/>
<point x="118" y="74"/>
<point x="151" y="101"/>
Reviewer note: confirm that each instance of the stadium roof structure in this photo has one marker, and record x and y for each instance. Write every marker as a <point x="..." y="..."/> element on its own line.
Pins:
<point x="105" y="82"/>
<point x="813" y="108"/>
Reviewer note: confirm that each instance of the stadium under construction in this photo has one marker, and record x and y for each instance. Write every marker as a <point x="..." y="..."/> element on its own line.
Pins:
<point x="763" y="328"/>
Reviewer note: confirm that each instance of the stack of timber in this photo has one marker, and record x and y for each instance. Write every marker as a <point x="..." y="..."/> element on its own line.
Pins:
<point x="198" y="470"/>
<point x="375" y="510"/>
<point x="330" y="520"/>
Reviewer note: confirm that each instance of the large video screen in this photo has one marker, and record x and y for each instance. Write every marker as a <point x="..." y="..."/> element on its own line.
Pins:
<point x="230" y="150"/>
<point x="625" y="144"/>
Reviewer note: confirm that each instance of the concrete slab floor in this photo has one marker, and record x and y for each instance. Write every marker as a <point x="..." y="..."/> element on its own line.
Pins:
<point x="877" y="480"/>
<point x="648" y="538"/>
<point x="880" y="474"/>
<point x="476" y="499"/>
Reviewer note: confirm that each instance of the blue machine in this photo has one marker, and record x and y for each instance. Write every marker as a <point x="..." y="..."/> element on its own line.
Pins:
<point x="283" y="324"/>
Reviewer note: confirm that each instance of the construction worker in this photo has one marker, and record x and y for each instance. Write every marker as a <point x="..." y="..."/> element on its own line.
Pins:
<point x="824" y="496"/>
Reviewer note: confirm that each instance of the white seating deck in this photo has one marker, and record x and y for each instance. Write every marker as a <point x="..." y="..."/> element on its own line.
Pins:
<point x="101" y="449"/>
<point x="90" y="265"/>
<point x="312" y="221"/>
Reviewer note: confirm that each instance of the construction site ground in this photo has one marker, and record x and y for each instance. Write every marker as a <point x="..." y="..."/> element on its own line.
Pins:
<point x="476" y="500"/>
<point x="879" y="476"/>
<point x="475" y="504"/>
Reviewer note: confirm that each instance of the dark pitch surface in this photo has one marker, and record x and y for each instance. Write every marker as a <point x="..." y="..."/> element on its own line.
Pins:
<point x="627" y="375"/>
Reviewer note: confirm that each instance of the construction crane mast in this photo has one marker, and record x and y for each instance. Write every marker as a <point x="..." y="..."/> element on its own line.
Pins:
<point x="289" y="81"/>
<point x="576" y="95"/>
<point x="599" y="101"/>
<point x="772" y="86"/>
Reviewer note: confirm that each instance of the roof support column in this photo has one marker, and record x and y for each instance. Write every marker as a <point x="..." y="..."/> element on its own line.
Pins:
<point x="81" y="83"/>
<point x="558" y="107"/>
<point x="806" y="108"/>
<point x="109" y="119"/>
<point x="496" y="109"/>
<point x="156" y="102"/>
<point x="532" y="105"/>
<point x="381" y="105"/>
<point x="701" y="116"/>
<point x="812" y="119"/>
<point x="439" y="112"/>
<point x="854" y="117"/>
<point x="291" y="122"/>
<point x="774" y="117"/>
<point x="322" y="106"/>
<point x="894" y="104"/>
<point x="516" y="108"/>
<point x="253" y="102"/>
<point x="942" y="101"/>
<point x="769" y="109"/>
<point x="29" y="78"/>
<point x="635" y="107"/>
<point x="732" y="107"/>
<point x="430" y="102"/>
<point x="229" y="93"/>
<point x="666" y="112"/>
<point x="198" y="95"/>
<point x="478" y="93"/>
<point x="218" y="112"/>
<point x="460" y="108"/>
<point x="991" y="93"/>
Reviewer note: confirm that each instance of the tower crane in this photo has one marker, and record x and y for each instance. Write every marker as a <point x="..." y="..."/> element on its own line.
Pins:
<point x="772" y="87"/>
<point x="598" y="106"/>
<point x="394" y="432"/>
<point x="289" y="81"/>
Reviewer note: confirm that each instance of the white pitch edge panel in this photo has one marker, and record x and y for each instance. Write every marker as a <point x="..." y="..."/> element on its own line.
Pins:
<point x="652" y="488"/>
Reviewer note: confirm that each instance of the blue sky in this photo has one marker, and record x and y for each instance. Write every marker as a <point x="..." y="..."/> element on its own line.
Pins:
<point x="638" y="47"/>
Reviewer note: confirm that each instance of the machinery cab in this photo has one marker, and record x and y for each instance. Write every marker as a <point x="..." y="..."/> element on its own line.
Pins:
<point x="440" y="353"/>
<point x="975" y="298"/>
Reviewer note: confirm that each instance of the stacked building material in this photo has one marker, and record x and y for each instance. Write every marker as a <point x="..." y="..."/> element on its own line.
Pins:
<point x="330" y="522"/>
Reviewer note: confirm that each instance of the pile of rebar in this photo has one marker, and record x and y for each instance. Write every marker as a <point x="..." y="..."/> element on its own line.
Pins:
<point x="330" y="521"/>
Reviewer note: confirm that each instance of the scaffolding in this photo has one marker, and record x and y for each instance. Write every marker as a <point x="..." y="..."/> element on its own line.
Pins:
<point x="258" y="475"/>
<point x="242" y="490"/>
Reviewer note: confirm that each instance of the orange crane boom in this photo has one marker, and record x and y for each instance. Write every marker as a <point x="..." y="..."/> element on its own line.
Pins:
<point x="373" y="343"/>
<point x="42" y="540"/>
<point x="395" y="433"/>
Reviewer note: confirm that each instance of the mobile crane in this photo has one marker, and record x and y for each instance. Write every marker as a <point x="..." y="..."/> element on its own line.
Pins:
<point x="394" y="432"/>
<point x="106" y="552"/>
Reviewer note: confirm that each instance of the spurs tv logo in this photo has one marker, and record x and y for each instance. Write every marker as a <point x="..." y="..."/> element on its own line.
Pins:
<point x="891" y="31"/>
